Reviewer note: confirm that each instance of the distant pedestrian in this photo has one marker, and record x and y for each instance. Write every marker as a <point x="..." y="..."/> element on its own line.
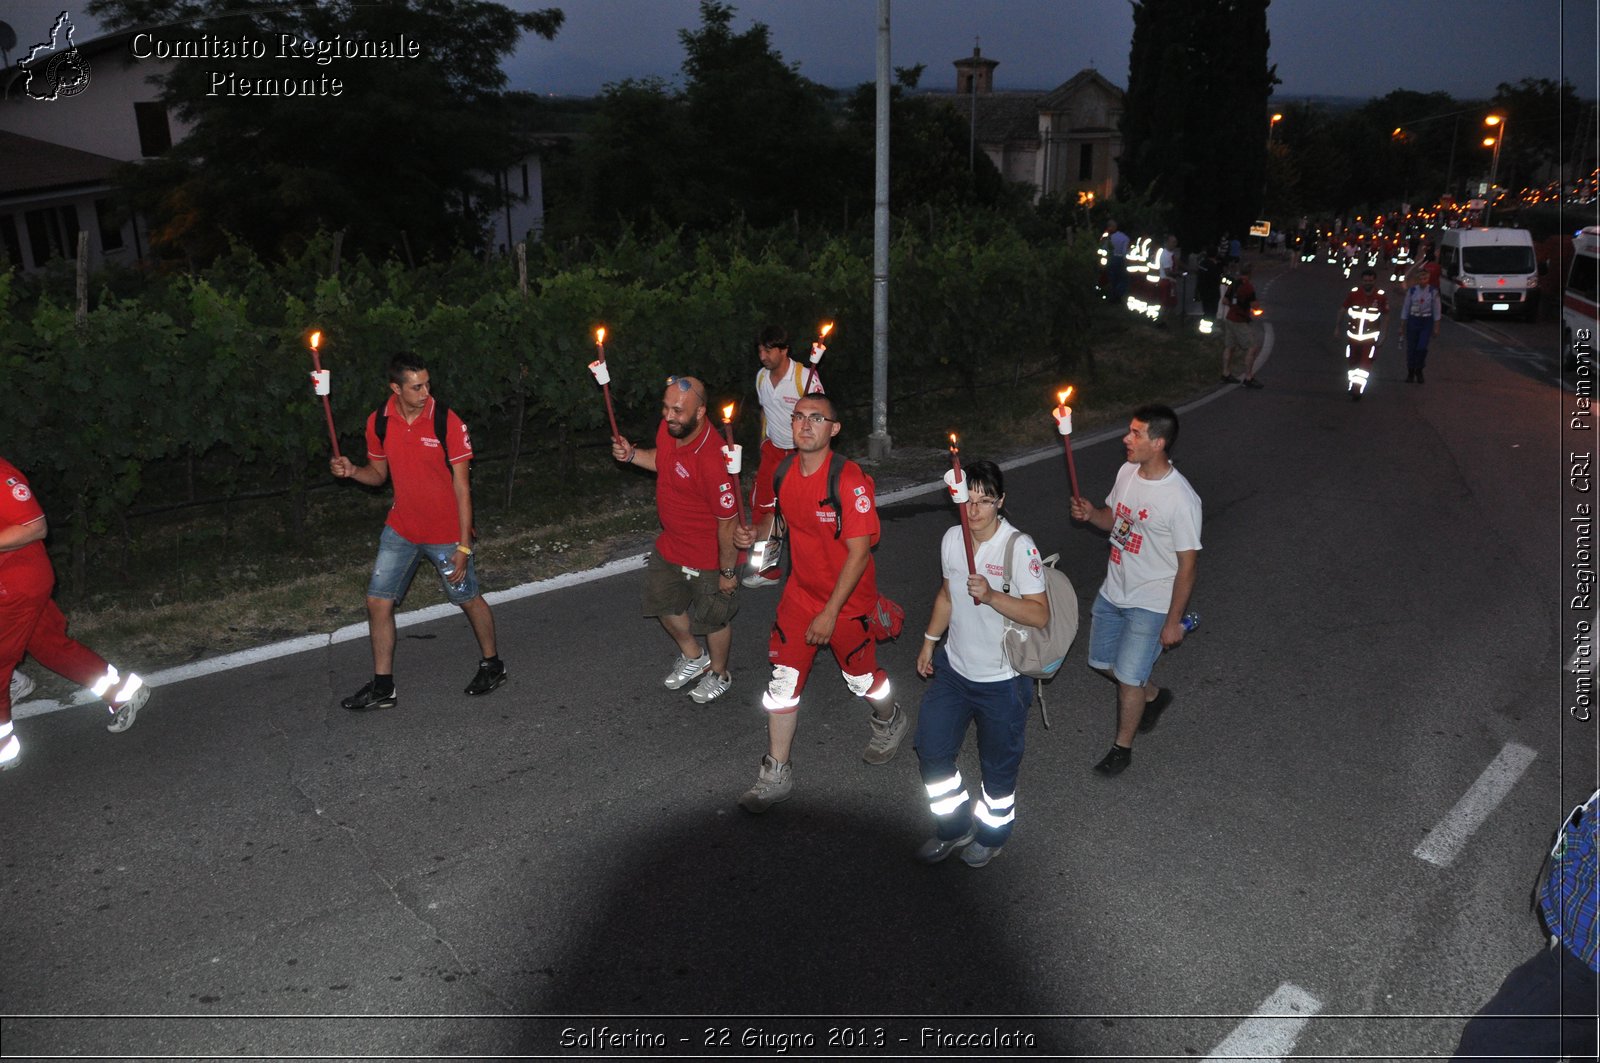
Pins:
<point x="690" y="582"/>
<point x="1361" y="320"/>
<point x="1208" y="284"/>
<point x="829" y="599"/>
<point x="1545" y="1009"/>
<point x="780" y="382"/>
<point x="1153" y="517"/>
<point x="32" y="624"/>
<point x="1169" y="274"/>
<point x="422" y="448"/>
<point x="1420" y="315"/>
<point x="1240" y="331"/>
<point x="1117" y="262"/>
<point x="973" y="682"/>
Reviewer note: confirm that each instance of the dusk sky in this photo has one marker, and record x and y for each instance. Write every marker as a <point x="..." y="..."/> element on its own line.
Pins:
<point x="1359" y="48"/>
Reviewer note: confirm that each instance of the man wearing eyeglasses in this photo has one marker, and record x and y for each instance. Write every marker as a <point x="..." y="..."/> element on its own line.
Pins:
<point x="831" y="591"/>
<point x="779" y="385"/>
<point x="690" y="583"/>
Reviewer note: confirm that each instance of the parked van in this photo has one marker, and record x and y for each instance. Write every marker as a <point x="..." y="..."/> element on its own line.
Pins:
<point x="1488" y="271"/>
<point x="1580" y="303"/>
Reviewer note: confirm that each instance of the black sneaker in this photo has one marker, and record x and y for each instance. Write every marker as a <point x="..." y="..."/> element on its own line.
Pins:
<point x="490" y="675"/>
<point x="1229" y="378"/>
<point x="1153" y="710"/>
<point x="1251" y="382"/>
<point x="365" y="699"/>
<point x="1115" y="762"/>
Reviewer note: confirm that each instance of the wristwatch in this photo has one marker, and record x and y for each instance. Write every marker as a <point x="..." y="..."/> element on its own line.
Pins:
<point x="725" y="573"/>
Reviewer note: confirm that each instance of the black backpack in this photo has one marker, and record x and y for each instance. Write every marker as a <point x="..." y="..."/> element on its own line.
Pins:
<point x="441" y="424"/>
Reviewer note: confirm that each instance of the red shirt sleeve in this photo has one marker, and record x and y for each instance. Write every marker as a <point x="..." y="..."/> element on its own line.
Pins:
<point x="18" y="506"/>
<point x="457" y="441"/>
<point x="858" y="504"/>
<point x="718" y="483"/>
<point x="374" y="445"/>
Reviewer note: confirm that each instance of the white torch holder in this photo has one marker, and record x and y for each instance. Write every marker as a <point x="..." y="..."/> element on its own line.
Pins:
<point x="602" y="375"/>
<point x="817" y="351"/>
<point x="958" y="488"/>
<point x="1064" y="421"/>
<point x="734" y="458"/>
<point x="321" y="381"/>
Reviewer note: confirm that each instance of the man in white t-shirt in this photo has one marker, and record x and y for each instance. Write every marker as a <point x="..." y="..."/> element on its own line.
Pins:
<point x="972" y="679"/>
<point x="779" y="385"/>
<point x="1153" y="517"/>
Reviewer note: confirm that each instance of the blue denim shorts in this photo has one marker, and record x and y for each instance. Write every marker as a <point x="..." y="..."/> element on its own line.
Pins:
<point x="1125" y="642"/>
<point x="398" y="559"/>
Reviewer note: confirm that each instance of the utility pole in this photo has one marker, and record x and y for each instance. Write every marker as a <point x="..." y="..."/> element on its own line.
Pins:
<point x="878" y="444"/>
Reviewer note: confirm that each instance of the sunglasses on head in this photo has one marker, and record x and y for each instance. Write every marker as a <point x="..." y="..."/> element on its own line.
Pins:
<point x="686" y="384"/>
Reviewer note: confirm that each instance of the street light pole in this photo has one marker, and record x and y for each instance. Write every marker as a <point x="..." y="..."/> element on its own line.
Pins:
<point x="1494" y="164"/>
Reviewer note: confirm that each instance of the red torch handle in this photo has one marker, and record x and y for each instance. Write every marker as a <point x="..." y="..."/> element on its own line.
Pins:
<point x="327" y="408"/>
<point x="966" y="530"/>
<point x="738" y="488"/>
<point x="1072" y="469"/>
<point x="610" y="412"/>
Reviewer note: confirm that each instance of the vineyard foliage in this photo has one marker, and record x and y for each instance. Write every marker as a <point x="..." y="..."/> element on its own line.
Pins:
<point x="197" y="385"/>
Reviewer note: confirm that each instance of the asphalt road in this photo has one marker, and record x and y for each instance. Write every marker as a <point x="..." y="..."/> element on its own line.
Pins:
<point x="560" y="868"/>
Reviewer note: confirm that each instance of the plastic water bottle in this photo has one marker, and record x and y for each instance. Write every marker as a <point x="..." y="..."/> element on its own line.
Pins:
<point x="448" y="569"/>
<point x="1190" y="621"/>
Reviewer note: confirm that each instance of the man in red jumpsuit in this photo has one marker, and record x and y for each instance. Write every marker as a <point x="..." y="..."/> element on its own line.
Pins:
<point x="831" y="591"/>
<point x="31" y="623"/>
<point x="1362" y="321"/>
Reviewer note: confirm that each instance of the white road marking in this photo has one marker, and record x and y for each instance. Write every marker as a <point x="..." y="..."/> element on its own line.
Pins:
<point x="1446" y="840"/>
<point x="1269" y="1035"/>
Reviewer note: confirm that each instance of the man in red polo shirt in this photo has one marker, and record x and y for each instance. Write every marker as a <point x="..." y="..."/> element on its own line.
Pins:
<point x="831" y="592"/>
<point x="689" y="582"/>
<point x="431" y="520"/>
<point x="31" y="623"/>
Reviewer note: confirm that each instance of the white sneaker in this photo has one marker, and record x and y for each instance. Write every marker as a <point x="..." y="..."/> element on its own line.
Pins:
<point x="711" y="687"/>
<point x="122" y="715"/>
<point x="685" y="670"/>
<point x="10" y="751"/>
<point x="773" y="784"/>
<point x="755" y="580"/>
<point x="21" y="686"/>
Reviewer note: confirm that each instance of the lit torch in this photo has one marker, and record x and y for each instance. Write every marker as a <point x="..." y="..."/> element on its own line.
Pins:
<point x="957" y="483"/>
<point x="818" y="349"/>
<point x="733" y="456"/>
<point x="602" y="376"/>
<point x="1063" y="416"/>
<point x="320" y="384"/>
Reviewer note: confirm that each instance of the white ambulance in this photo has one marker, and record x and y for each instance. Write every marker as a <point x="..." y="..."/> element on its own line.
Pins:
<point x="1488" y="271"/>
<point x="1580" y="302"/>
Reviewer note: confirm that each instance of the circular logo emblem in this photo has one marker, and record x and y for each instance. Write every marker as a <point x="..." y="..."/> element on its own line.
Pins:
<point x="727" y="500"/>
<point x="21" y="493"/>
<point x="1035" y="568"/>
<point x="863" y="504"/>
<point x="67" y="74"/>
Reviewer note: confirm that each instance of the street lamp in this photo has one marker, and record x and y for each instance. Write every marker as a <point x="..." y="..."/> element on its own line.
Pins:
<point x="1495" y="141"/>
<point x="1272" y="126"/>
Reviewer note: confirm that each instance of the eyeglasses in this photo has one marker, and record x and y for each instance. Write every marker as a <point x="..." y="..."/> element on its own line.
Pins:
<point x="973" y="500"/>
<point x="686" y="384"/>
<point x="814" y="418"/>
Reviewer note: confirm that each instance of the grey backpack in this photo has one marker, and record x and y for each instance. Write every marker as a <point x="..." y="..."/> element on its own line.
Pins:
<point x="1037" y="652"/>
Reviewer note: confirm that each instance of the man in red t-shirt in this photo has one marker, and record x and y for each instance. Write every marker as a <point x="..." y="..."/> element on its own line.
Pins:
<point x="690" y="583"/>
<point x="1361" y="320"/>
<point x="832" y="588"/>
<point x="31" y="623"/>
<point x="431" y="520"/>
<point x="1239" y="329"/>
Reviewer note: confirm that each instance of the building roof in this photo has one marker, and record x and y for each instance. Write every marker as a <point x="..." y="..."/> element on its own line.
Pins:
<point x="1060" y="96"/>
<point x="1002" y="116"/>
<point x="40" y="166"/>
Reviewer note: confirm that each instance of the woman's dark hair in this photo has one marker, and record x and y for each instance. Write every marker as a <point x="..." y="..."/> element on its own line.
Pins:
<point x="987" y="475"/>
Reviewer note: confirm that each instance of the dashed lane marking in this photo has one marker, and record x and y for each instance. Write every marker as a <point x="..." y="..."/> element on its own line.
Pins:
<point x="1446" y="840"/>
<point x="1269" y="1035"/>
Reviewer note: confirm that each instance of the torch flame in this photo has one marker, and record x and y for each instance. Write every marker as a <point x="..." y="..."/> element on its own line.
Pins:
<point x="727" y="414"/>
<point x="600" y="334"/>
<point x="316" y="340"/>
<point x="1063" y="396"/>
<point x="952" y="441"/>
<point x="825" y="330"/>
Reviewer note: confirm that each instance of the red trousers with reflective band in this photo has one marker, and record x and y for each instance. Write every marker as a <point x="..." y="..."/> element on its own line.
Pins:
<point x="37" y="627"/>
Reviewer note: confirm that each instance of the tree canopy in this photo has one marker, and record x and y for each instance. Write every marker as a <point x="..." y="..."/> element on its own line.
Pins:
<point x="400" y="156"/>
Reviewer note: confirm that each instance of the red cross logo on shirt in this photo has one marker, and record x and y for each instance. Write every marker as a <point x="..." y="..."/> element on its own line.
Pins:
<point x="1144" y="514"/>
